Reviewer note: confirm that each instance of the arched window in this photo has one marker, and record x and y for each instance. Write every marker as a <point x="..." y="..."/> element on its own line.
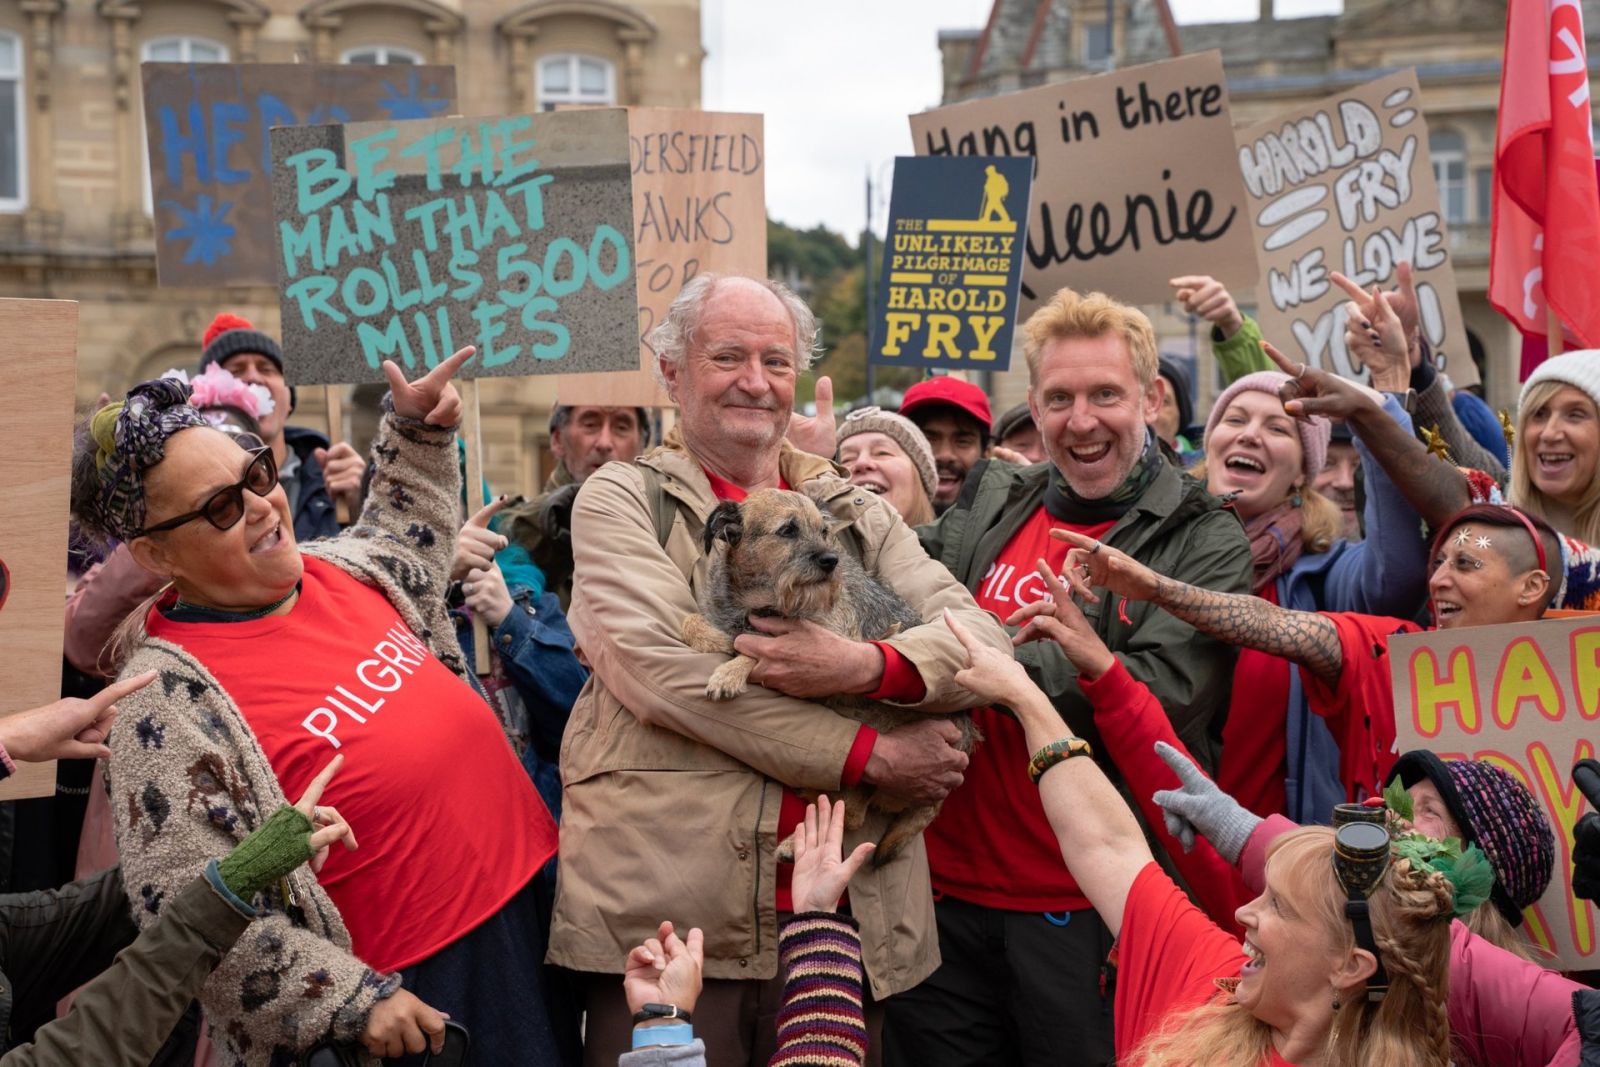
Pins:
<point x="1449" y="154"/>
<point x="175" y="50"/>
<point x="380" y="54"/>
<point x="575" y="79"/>
<point x="13" y="143"/>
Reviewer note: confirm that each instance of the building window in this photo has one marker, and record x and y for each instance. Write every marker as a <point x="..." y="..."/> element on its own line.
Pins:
<point x="1449" y="154"/>
<point x="380" y="54"/>
<point x="175" y="50"/>
<point x="184" y="50"/>
<point x="576" y="80"/>
<point x="1096" y="42"/>
<point x="13" y="180"/>
<point x="1483" y="192"/>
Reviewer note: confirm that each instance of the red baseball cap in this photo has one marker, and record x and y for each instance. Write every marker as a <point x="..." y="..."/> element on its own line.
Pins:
<point x="945" y="391"/>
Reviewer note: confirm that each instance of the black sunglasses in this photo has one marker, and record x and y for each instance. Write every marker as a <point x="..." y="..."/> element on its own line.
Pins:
<point x="224" y="508"/>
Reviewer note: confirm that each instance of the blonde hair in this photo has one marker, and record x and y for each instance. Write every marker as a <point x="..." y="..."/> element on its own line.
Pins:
<point x="1409" y="1027"/>
<point x="1069" y="314"/>
<point x="1486" y="921"/>
<point x="920" y="513"/>
<point x="1585" y="518"/>
<point x="1321" y="523"/>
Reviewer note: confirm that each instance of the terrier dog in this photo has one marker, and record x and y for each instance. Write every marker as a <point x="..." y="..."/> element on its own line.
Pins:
<point x="776" y="556"/>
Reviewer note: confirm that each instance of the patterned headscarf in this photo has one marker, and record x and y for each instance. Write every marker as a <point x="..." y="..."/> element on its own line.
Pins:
<point x="131" y="437"/>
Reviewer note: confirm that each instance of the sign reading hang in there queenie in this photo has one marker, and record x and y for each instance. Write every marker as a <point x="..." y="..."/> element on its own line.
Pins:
<point x="1136" y="180"/>
<point x="1526" y="698"/>
<point x="699" y="204"/>
<point x="409" y="240"/>
<point x="207" y="126"/>
<point x="1346" y="185"/>
<point x="37" y="376"/>
<point x="952" y="262"/>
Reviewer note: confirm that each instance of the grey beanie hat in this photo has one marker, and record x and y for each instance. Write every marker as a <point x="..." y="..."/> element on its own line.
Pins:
<point x="903" y="431"/>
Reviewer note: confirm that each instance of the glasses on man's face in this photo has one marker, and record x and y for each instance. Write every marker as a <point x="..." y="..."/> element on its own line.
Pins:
<point x="224" y="508"/>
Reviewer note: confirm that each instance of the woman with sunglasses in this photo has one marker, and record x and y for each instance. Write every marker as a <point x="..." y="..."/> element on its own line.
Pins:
<point x="273" y="657"/>
<point x="1309" y="983"/>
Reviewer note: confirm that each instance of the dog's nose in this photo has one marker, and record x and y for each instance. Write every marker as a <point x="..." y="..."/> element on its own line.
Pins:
<point x="827" y="561"/>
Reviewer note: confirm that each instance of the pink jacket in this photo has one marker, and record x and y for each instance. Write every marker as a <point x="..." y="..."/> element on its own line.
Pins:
<point x="1504" y="1011"/>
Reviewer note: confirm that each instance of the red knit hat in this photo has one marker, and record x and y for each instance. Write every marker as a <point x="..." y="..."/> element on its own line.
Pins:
<point x="230" y="334"/>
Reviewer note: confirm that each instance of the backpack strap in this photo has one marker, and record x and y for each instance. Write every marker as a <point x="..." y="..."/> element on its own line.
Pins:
<point x="663" y="507"/>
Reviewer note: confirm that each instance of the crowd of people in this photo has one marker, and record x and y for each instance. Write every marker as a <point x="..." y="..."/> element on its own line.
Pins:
<point x="1169" y="627"/>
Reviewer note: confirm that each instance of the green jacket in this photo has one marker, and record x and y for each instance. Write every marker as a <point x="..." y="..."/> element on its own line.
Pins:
<point x="1177" y="529"/>
<point x="123" y="1017"/>
<point x="1242" y="353"/>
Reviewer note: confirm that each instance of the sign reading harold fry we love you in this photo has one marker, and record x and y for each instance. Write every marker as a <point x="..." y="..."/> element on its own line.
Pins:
<point x="409" y="240"/>
<point x="953" y="262"/>
<point x="1524" y="697"/>
<point x="1346" y="185"/>
<point x="207" y="126"/>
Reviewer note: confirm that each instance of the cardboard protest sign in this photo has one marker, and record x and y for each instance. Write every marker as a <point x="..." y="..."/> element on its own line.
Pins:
<point x="37" y="374"/>
<point x="1524" y="697"/>
<point x="1346" y="184"/>
<point x="952" y="262"/>
<point x="699" y="204"/>
<point x="207" y="127"/>
<point x="408" y="240"/>
<point x="1135" y="180"/>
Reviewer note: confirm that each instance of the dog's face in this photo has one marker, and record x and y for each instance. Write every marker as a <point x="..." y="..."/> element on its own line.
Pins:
<point x="781" y="555"/>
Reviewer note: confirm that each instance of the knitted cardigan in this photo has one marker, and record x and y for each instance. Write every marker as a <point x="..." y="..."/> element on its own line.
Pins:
<point x="188" y="779"/>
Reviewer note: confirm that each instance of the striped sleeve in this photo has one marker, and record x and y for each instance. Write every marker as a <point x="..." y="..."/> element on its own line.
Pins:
<point x="821" y="1023"/>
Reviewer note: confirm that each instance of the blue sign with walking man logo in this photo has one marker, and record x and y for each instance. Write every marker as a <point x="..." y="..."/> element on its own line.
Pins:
<point x="952" y="262"/>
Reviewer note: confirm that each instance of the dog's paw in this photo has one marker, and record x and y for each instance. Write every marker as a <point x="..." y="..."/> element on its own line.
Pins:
<point x="727" y="682"/>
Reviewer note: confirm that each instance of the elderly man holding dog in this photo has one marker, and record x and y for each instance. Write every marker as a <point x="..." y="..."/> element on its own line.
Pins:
<point x="1024" y="974"/>
<point x="675" y="804"/>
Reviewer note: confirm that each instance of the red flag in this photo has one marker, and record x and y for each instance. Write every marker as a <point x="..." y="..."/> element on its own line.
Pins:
<point x="1546" y="230"/>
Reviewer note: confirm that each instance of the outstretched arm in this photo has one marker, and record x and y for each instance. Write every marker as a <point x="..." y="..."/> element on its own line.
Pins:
<point x="1239" y="619"/>
<point x="1100" y="839"/>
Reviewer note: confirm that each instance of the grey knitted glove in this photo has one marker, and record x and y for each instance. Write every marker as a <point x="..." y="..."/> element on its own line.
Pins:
<point x="1201" y="807"/>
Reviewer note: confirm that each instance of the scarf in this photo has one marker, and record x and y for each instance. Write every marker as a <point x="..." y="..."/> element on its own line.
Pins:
<point x="130" y="438"/>
<point x="1067" y="506"/>
<point x="1275" y="543"/>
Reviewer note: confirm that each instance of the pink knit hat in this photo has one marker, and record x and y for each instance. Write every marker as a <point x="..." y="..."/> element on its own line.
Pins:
<point x="1314" y="431"/>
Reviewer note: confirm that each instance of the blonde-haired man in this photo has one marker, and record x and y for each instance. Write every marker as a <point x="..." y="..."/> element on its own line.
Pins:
<point x="1023" y="952"/>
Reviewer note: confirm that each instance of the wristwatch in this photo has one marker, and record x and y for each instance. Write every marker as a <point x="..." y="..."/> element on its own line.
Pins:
<point x="660" y="1011"/>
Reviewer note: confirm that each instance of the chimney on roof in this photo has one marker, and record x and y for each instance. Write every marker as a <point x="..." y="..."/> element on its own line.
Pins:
<point x="1266" y="11"/>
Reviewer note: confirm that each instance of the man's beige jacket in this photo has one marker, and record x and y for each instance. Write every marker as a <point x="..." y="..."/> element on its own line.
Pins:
<point x="670" y="808"/>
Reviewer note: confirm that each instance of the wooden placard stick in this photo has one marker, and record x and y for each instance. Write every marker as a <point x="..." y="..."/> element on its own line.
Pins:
<point x="334" y="395"/>
<point x="1554" y="340"/>
<point x="472" y="435"/>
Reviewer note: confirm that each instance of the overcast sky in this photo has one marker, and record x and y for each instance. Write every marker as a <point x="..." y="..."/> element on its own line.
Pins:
<point x="837" y="78"/>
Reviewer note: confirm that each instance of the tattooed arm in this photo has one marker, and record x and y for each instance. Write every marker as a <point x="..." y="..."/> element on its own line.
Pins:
<point x="1302" y="637"/>
<point x="1239" y="619"/>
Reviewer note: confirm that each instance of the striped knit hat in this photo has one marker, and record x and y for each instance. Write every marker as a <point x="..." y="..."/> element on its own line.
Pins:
<point x="1499" y="815"/>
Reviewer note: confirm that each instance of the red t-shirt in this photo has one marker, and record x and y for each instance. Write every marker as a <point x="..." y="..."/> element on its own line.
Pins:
<point x="1360" y="707"/>
<point x="1255" y="752"/>
<point x="449" y="823"/>
<point x="1169" y="956"/>
<point x="900" y="682"/>
<point x="991" y="844"/>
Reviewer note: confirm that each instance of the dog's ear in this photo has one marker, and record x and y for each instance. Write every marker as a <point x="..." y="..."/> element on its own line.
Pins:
<point x="725" y="524"/>
<point x="831" y="524"/>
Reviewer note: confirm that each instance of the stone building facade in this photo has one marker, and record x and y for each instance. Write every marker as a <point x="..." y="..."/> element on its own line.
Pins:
<point x="1274" y="65"/>
<point x="74" y="193"/>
